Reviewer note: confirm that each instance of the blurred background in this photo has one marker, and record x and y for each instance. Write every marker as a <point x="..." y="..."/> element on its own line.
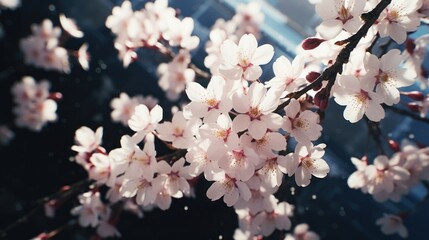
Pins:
<point x="35" y="165"/>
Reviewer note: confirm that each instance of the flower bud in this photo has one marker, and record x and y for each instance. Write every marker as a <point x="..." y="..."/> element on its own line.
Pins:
<point x="56" y="96"/>
<point x="321" y="100"/>
<point x="311" y="43"/>
<point x="394" y="145"/>
<point x="312" y="76"/>
<point x="410" y="46"/>
<point x="415" y="95"/>
<point x="413" y="106"/>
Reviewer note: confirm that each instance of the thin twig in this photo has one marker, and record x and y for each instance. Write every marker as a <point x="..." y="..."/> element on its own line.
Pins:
<point x="406" y="113"/>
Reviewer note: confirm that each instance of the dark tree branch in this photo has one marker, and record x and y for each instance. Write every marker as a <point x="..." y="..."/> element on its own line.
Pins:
<point x="331" y="72"/>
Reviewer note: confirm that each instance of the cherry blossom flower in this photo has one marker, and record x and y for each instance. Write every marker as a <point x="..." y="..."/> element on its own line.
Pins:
<point x="398" y="18"/>
<point x="34" y="107"/>
<point x="248" y="19"/>
<point x="256" y="111"/>
<point x="143" y="121"/>
<point x="220" y="135"/>
<point x="144" y="190"/>
<point x="338" y="15"/>
<point x="359" y="99"/>
<point x="118" y="21"/>
<point x="90" y="210"/>
<point x="271" y="169"/>
<point x="179" y="131"/>
<point x="383" y="175"/>
<point x="41" y="48"/>
<point x="227" y="187"/>
<point x="101" y="169"/>
<point x="386" y="75"/>
<point x="305" y="162"/>
<point x="288" y="76"/>
<point x="414" y="55"/>
<point x="70" y="26"/>
<point x="207" y="103"/>
<point x="358" y="179"/>
<point x="179" y="33"/>
<point x="174" y="76"/>
<point x="271" y="141"/>
<point x="303" y="126"/>
<point x="243" y="60"/>
<point x="174" y="177"/>
<point x="239" y="162"/>
<point x="123" y="106"/>
<point x="199" y="160"/>
<point x="391" y="224"/>
<point x="87" y="140"/>
<point x="301" y="232"/>
<point x="275" y="216"/>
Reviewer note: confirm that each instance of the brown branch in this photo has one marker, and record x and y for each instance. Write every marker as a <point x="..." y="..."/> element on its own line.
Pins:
<point x="331" y="72"/>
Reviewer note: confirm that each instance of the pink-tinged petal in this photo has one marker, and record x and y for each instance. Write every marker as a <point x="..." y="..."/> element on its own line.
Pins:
<point x="247" y="45"/>
<point x="290" y="162"/>
<point x="319" y="168"/>
<point x="231" y="197"/>
<point x="240" y="123"/>
<point x="397" y="32"/>
<point x="381" y="162"/>
<point x="156" y="114"/>
<point x="256" y="93"/>
<point x="140" y="119"/>
<point x="257" y="129"/>
<point x="353" y="25"/>
<point x="326" y="9"/>
<point x="165" y="131"/>
<point x="375" y="112"/>
<point x="216" y="191"/>
<point x="231" y="72"/>
<point x="293" y="108"/>
<point x="129" y="188"/>
<point x="195" y="110"/>
<point x="240" y="103"/>
<point x="163" y="167"/>
<point x="282" y="67"/>
<point x="244" y="190"/>
<point x="276" y="141"/>
<point x="273" y="121"/>
<point x="229" y="51"/>
<point x="263" y="55"/>
<point x="391" y="60"/>
<point x="399" y="173"/>
<point x="329" y="29"/>
<point x="302" y="177"/>
<point x="354" y="111"/>
<point x="195" y="92"/>
<point x="356" y="180"/>
<point x="252" y="73"/>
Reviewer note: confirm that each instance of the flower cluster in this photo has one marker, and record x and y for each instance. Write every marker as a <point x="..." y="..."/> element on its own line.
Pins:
<point x="153" y="26"/>
<point x="390" y="179"/>
<point x="35" y="104"/>
<point x="44" y="49"/>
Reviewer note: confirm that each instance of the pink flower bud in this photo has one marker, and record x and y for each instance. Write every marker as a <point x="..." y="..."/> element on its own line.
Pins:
<point x="321" y="100"/>
<point x="56" y="96"/>
<point x="394" y="145"/>
<point x="311" y="43"/>
<point x="312" y="76"/>
<point x="415" y="107"/>
<point x="415" y="95"/>
<point x="410" y="46"/>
